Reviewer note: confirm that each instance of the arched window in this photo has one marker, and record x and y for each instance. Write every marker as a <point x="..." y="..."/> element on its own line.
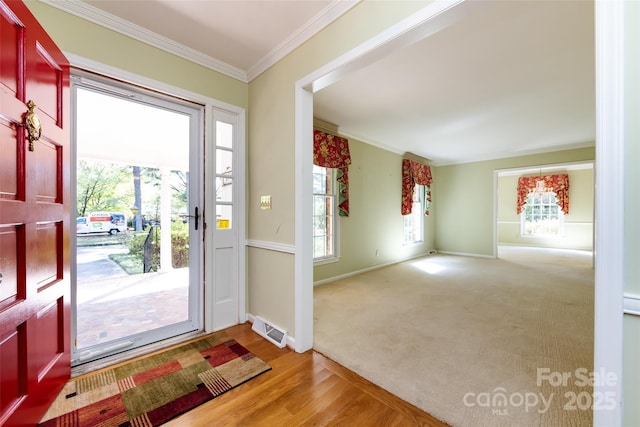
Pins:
<point x="542" y="202"/>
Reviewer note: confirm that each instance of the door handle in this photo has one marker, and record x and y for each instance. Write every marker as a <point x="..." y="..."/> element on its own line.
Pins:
<point x="196" y="217"/>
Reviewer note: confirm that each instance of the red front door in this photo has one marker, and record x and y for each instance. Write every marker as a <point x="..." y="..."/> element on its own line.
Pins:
<point x="34" y="218"/>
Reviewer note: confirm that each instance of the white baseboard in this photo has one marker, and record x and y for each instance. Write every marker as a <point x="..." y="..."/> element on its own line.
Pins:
<point x="465" y="254"/>
<point x="543" y="246"/>
<point x="291" y="341"/>
<point x="374" y="267"/>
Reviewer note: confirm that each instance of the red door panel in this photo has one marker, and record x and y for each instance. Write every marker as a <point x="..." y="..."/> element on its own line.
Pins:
<point x="9" y="154"/>
<point x="44" y="74"/>
<point x="34" y="220"/>
<point x="48" y="327"/>
<point x="46" y="179"/>
<point x="46" y="256"/>
<point x="10" y="33"/>
<point x="12" y="283"/>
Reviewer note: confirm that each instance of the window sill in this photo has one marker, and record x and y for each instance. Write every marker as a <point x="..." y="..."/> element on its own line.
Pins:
<point x="541" y="236"/>
<point x="322" y="261"/>
<point x="420" y="242"/>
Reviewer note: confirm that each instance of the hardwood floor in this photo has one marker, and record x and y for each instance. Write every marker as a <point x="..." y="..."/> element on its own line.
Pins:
<point x="302" y="390"/>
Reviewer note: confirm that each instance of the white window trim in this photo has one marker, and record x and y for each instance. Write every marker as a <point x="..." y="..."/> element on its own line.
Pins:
<point x="419" y="216"/>
<point x="336" y="226"/>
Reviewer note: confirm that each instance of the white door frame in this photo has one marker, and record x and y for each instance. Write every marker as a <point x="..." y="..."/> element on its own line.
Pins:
<point x="210" y="105"/>
<point x="609" y="205"/>
<point x="608" y="168"/>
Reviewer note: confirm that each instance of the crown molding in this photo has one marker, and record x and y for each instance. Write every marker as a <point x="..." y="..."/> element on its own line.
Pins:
<point x="92" y="14"/>
<point x="111" y="22"/>
<point x="333" y="11"/>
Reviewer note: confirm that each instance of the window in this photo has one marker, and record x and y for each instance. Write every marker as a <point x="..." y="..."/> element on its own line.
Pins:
<point x="541" y="215"/>
<point x="413" y="222"/>
<point x="324" y="213"/>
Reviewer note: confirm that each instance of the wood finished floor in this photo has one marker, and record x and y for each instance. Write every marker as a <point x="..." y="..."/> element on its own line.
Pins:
<point x="302" y="390"/>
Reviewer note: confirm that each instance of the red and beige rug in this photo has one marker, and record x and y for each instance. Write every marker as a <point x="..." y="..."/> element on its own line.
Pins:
<point x="155" y="389"/>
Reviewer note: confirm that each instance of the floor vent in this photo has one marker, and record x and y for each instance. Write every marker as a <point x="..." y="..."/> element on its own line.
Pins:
<point x="276" y="335"/>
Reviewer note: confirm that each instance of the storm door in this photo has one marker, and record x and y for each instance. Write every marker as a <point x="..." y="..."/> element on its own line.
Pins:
<point x="138" y="239"/>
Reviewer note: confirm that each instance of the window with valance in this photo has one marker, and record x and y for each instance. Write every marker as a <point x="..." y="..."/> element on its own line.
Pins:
<point x="413" y="173"/>
<point x="332" y="151"/>
<point x="558" y="184"/>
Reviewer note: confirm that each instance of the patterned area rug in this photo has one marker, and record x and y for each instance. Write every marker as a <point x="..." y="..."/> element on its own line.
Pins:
<point x="155" y="389"/>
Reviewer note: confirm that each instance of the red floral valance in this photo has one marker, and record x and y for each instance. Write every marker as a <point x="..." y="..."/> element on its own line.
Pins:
<point x="332" y="151"/>
<point x="559" y="184"/>
<point x="415" y="173"/>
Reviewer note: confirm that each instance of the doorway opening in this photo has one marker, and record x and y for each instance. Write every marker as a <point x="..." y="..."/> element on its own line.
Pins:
<point x="138" y="237"/>
<point x="574" y="230"/>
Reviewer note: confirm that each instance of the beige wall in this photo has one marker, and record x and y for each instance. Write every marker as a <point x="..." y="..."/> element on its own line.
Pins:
<point x="463" y="199"/>
<point x="271" y="264"/>
<point x="631" y="371"/>
<point x="372" y="234"/>
<point x="578" y="224"/>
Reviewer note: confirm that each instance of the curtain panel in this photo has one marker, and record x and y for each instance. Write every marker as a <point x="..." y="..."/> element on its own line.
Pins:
<point x="332" y="151"/>
<point x="415" y="173"/>
<point x="559" y="184"/>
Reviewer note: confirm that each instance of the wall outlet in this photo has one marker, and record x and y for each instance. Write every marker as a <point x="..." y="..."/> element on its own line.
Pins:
<point x="265" y="202"/>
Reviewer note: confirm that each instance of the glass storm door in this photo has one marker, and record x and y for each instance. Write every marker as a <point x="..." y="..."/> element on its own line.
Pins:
<point x="138" y="233"/>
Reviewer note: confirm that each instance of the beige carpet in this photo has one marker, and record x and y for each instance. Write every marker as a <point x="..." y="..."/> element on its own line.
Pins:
<point x="463" y="338"/>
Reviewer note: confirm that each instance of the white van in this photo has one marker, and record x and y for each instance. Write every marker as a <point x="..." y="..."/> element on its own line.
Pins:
<point x="101" y="222"/>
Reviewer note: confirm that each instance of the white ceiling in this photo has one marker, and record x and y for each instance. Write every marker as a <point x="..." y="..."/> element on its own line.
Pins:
<point x="511" y="78"/>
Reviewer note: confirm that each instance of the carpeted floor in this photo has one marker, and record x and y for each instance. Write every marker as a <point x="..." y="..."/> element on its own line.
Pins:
<point x="472" y="341"/>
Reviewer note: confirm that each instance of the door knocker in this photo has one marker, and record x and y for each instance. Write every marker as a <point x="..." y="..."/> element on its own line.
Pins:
<point x="32" y="123"/>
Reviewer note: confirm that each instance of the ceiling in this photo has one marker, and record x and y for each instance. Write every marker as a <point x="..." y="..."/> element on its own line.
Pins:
<point x="511" y="78"/>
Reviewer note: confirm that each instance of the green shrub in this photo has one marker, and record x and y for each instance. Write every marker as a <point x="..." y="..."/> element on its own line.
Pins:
<point x="180" y="245"/>
<point x="136" y="247"/>
<point x="179" y="242"/>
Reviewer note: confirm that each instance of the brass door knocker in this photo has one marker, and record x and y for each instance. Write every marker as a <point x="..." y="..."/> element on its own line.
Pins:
<point x="32" y="123"/>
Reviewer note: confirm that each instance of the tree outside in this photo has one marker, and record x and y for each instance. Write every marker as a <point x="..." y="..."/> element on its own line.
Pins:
<point x="105" y="186"/>
<point x="102" y="186"/>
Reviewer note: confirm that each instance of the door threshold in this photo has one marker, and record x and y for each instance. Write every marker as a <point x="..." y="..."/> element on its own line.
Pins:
<point x="125" y="356"/>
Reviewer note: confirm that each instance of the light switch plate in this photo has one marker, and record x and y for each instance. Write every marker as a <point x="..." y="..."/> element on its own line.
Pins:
<point x="265" y="202"/>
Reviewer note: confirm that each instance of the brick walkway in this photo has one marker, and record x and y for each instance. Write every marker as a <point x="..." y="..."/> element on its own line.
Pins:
<point x="116" y="307"/>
